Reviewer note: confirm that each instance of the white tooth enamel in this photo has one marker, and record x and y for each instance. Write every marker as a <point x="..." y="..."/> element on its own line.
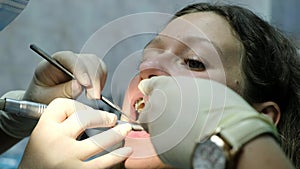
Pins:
<point x="139" y="105"/>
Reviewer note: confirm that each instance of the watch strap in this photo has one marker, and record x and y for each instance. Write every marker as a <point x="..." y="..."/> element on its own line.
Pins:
<point x="239" y="133"/>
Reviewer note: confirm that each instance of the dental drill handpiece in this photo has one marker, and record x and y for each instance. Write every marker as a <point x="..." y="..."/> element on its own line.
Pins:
<point x="22" y="108"/>
<point x="35" y="110"/>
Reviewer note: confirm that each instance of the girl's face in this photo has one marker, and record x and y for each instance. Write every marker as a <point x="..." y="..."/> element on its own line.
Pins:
<point x="200" y="45"/>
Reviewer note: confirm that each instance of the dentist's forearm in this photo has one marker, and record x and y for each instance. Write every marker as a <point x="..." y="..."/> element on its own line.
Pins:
<point x="263" y="152"/>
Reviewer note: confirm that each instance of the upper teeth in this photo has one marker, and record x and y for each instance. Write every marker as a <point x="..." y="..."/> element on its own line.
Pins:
<point x="139" y="105"/>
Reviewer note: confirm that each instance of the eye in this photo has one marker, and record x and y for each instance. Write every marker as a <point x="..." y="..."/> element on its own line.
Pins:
<point x="195" y="65"/>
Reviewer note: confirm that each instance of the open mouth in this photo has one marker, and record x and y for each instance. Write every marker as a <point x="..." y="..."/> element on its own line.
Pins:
<point x="139" y="106"/>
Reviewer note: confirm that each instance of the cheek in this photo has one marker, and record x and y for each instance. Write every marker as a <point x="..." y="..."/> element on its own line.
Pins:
<point x="234" y="79"/>
<point x="218" y="75"/>
<point x="209" y="74"/>
<point x="126" y="104"/>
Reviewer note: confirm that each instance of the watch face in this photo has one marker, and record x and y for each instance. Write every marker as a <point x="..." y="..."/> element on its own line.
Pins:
<point x="208" y="155"/>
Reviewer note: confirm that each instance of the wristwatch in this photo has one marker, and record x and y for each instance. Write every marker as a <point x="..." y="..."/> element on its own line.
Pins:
<point x="221" y="149"/>
<point x="209" y="155"/>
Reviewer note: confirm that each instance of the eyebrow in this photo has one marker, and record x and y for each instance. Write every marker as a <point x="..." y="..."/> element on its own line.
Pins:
<point x="158" y="40"/>
<point x="214" y="44"/>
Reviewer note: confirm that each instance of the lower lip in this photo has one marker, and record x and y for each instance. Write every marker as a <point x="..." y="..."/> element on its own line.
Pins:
<point x="138" y="134"/>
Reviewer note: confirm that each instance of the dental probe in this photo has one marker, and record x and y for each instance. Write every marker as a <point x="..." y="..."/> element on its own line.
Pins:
<point x="66" y="71"/>
<point x="35" y="110"/>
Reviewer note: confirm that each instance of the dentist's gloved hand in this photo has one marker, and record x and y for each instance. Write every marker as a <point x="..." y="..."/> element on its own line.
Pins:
<point x="53" y="143"/>
<point x="49" y="82"/>
<point x="182" y="111"/>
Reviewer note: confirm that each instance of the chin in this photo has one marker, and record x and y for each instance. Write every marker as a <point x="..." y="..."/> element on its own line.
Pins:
<point x="144" y="155"/>
<point x="143" y="163"/>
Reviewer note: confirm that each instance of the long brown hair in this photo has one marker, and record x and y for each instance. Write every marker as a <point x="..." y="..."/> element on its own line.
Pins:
<point x="270" y="66"/>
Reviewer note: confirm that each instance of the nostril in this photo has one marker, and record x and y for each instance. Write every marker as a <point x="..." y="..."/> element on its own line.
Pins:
<point x="151" y="72"/>
<point x="150" y="76"/>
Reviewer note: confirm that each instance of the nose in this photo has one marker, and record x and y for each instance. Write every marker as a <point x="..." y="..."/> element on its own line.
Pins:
<point x="154" y="67"/>
<point x="148" y="73"/>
